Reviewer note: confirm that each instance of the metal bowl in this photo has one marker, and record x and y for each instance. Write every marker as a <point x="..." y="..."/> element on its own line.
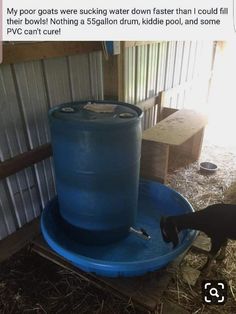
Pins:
<point x="208" y="167"/>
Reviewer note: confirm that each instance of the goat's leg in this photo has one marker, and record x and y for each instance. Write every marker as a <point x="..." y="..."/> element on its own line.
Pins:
<point x="216" y="244"/>
<point x="222" y="252"/>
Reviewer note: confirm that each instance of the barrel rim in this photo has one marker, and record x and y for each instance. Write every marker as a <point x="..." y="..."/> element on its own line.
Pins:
<point x="96" y="121"/>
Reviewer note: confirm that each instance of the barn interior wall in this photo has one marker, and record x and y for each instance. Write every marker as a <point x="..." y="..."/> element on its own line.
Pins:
<point x="27" y="91"/>
<point x="182" y="69"/>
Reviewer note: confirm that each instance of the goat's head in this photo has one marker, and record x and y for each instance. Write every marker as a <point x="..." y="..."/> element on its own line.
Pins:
<point x="169" y="231"/>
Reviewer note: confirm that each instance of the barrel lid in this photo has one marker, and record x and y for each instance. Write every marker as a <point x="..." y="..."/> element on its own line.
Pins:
<point x="96" y="112"/>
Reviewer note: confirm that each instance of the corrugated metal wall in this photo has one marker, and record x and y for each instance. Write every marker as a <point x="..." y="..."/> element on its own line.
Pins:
<point x="27" y="91"/>
<point x="183" y="67"/>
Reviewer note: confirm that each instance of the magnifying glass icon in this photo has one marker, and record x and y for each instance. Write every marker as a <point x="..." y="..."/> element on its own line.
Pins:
<point x="214" y="292"/>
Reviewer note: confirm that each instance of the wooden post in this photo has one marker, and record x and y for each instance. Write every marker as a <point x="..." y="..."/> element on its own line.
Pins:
<point x="110" y="72"/>
<point x="121" y="72"/>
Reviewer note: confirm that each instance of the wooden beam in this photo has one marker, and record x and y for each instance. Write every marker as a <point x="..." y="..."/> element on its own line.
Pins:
<point x="110" y="71"/>
<point x="129" y="44"/>
<point x="17" y="240"/>
<point x="148" y="103"/>
<point x="24" y="160"/>
<point x="121" y="72"/>
<point x="28" y="51"/>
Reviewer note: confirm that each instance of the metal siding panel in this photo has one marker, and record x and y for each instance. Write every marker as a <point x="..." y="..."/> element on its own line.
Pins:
<point x="178" y="63"/>
<point x="152" y="70"/>
<point x="206" y="62"/>
<point x="33" y="98"/>
<point x="166" y="83"/>
<point x="159" y="68"/>
<point x="186" y="52"/>
<point x="162" y="66"/>
<point x="57" y="80"/>
<point x="8" y="222"/>
<point x="24" y="194"/>
<point x="96" y="75"/>
<point x="27" y="90"/>
<point x="141" y="80"/>
<point x="181" y="100"/>
<point x="137" y="74"/>
<point x="133" y="73"/>
<point x="13" y="141"/>
<point x="49" y="167"/>
<point x="196" y="59"/>
<point x="166" y="65"/>
<point x="174" y="61"/>
<point x="144" y="71"/>
<point x="170" y="65"/>
<point x="157" y="54"/>
<point x="80" y="77"/>
<point x="202" y="73"/>
<point x="17" y="199"/>
<point x="3" y="224"/>
<point x="129" y="75"/>
<point x="188" y="97"/>
<point x="191" y="60"/>
<point x="12" y="136"/>
<point x="86" y="76"/>
<point x="156" y="72"/>
<point x="127" y="85"/>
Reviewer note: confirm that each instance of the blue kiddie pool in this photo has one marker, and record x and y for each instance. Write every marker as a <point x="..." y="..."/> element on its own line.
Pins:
<point x="131" y="255"/>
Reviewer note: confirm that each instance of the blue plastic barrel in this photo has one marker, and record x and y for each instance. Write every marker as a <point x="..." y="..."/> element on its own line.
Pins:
<point x="96" y="151"/>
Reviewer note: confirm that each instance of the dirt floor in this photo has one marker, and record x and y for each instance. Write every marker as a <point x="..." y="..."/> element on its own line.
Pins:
<point x="31" y="284"/>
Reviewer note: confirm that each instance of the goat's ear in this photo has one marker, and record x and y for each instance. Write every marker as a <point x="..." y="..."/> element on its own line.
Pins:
<point x="175" y="238"/>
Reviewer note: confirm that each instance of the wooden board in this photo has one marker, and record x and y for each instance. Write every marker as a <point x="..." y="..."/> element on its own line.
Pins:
<point x="176" y="128"/>
<point x="24" y="160"/>
<point x="28" y="51"/>
<point x="110" y="82"/>
<point x="17" y="240"/>
<point x="129" y="44"/>
<point x="148" y="103"/>
<point x="166" y="112"/>
<point x="145" y="291"/>
<point x="154" y="161"/>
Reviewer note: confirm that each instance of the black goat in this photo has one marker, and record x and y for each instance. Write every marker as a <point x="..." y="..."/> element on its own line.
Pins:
<point x="217" y="221"/>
